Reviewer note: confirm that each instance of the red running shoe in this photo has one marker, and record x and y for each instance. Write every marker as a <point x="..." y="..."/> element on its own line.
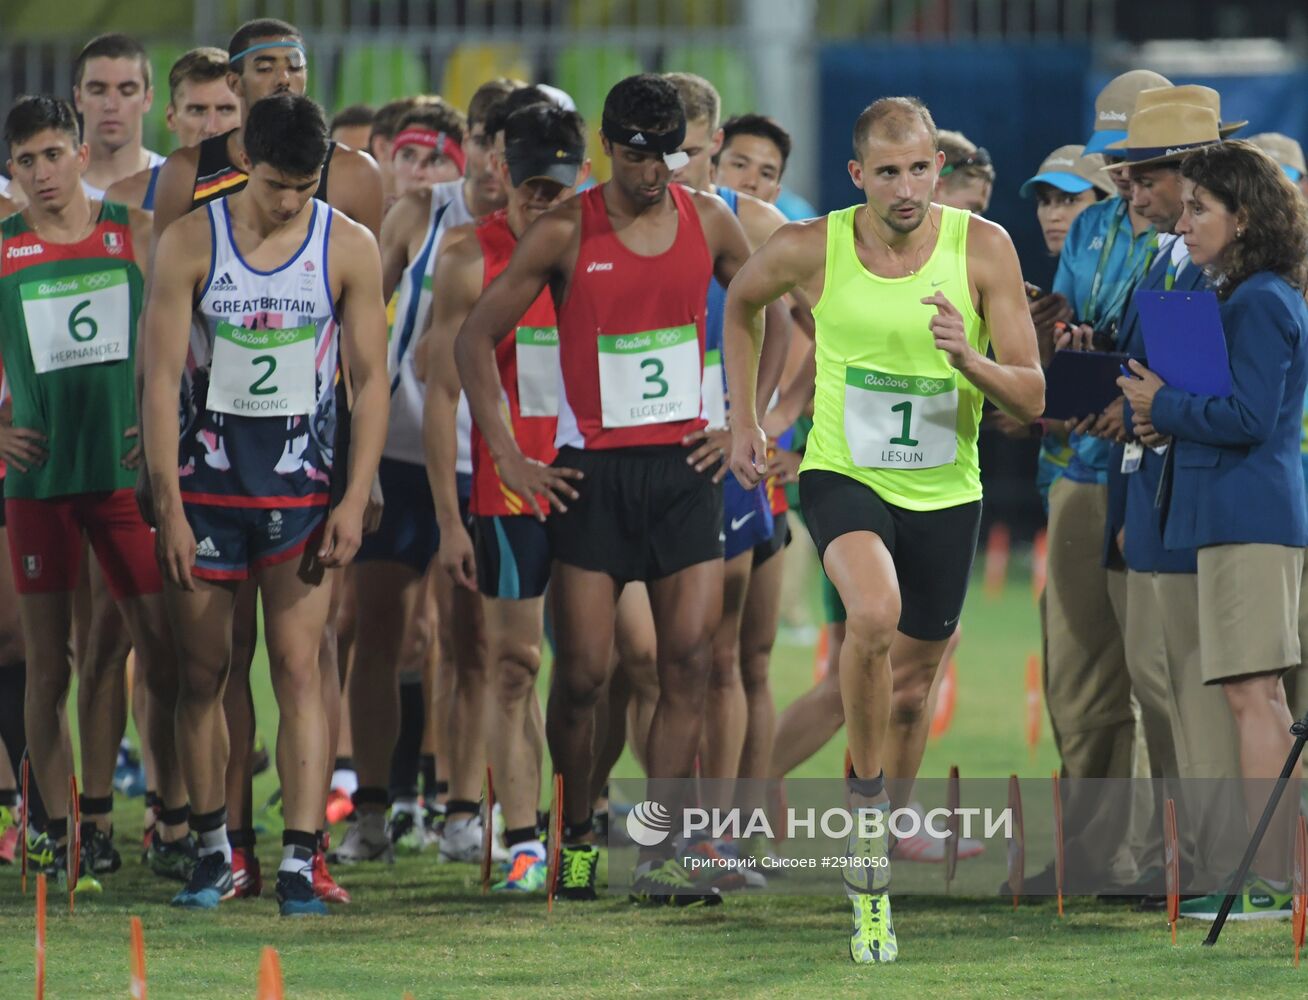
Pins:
<point x="324" y="886"/>
<point x="247" y="880"/>
<point x="339" y="806"/>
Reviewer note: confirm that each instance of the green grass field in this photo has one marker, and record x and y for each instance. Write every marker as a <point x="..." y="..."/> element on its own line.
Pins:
<point x="426" y="928"/>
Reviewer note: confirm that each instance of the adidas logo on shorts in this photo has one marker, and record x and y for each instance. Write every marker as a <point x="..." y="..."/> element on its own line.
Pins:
<point x="207" y="549"/>
<point x="224" y="283"/>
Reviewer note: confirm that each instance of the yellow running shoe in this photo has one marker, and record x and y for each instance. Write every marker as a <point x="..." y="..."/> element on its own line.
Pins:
<point x="873" y="940"/>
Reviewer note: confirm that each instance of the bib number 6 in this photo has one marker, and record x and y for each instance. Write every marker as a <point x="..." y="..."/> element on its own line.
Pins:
<point x="87" y="323"/>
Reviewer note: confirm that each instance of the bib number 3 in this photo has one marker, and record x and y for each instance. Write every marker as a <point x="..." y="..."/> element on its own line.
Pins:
<point x="650" y="378"/>
<point x="900" y="421"/>
<point x="263" y="373"/>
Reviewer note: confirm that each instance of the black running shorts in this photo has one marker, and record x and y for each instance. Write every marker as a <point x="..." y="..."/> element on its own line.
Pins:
<point x="932" y="549"/>
<point x="641" y="513"/>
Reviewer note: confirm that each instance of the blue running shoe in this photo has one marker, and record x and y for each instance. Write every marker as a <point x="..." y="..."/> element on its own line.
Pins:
<point x="210" y="883"/>
<point x="296" y="897"/>
<point x="129" y="774"/>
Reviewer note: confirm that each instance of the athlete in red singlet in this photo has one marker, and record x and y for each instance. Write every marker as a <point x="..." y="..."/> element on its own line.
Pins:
<point x="628" y="265"/>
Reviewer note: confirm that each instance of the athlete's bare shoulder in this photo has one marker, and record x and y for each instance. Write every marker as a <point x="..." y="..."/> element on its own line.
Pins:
<point x="349" y="236"/>
<point x="174" y="191"/>
<point x="759" y="219"/>
<point x="130" y="191"/>
<point x="355" y="187"/>
<point x="407" y="217"/>
<point x="141" y="224"/>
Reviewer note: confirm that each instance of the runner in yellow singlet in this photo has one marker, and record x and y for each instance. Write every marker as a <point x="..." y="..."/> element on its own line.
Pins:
<point x="909" y="296"/>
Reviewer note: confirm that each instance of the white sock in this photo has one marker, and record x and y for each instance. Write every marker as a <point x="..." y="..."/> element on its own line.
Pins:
<point x="409" y="804"/>
<point x="346" y="779"/>
<point x="215" y="842"/>
<point x="302" y="866"/>
<point x="532" y="847"/>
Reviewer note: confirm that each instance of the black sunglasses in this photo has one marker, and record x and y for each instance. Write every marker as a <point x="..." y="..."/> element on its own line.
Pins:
<point x="981" y="158"/>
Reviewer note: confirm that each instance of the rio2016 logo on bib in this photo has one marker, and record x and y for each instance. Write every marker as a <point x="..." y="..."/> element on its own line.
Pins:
<point x="80" y="320"/>
<point x="537" y="350"/>
<point x="653" y="377"/>
<point x="900" y="421"/>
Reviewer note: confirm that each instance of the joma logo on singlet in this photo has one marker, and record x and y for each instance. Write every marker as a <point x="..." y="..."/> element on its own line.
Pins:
<point x="596" y="265"/>
<point x="31" y="250"/>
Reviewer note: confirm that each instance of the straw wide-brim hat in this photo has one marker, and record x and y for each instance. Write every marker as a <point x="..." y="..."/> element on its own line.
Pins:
<point x="1190" y="93"/>
<point x="1164" y="133"/>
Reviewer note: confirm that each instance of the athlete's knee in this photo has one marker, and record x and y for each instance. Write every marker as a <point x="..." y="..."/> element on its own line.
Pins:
<point x="580" y="689"/>
<point x="725" y="671"/>
<point x="201" y="682"/>
<point x="519" y="663"/>
<point x="872" y="622"/>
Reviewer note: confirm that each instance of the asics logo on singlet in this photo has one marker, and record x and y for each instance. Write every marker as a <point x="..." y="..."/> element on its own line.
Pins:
<point x="224" y="282"/>
<point x="596" y="265"/>
<point x="929" y="386"/>
<point x="31" y="250"/>
<point x="207" y="548"/>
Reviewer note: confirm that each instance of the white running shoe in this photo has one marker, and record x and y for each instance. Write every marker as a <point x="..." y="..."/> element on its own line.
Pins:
<point x="461" y="841"/>
<point x="365" y="840"/>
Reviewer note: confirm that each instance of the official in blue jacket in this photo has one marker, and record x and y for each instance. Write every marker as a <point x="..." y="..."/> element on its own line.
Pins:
<point x="1237" y="489"/>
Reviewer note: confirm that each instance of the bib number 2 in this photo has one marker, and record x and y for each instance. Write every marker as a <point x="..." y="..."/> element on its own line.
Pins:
<point x="263" y="373"/>
<point x="900" y="421"/>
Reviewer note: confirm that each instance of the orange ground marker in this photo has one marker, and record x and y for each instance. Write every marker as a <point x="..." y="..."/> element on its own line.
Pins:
<point x="270" y="976"/>
<point x="40" y="936"/>
<point x="1033" y="702"/>
<point x="946" y="698"/>
<point x="1300" y="921"/>
<point x="998" y="544"/>
<point x="138" y="991"/>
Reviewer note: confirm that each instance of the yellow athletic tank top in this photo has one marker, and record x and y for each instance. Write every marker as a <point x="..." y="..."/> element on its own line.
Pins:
<point x="889" y="409"/>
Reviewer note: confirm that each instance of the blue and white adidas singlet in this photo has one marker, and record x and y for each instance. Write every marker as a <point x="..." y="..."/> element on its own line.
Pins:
<point x="412" y="313"/>
<point x="258" y="400"/>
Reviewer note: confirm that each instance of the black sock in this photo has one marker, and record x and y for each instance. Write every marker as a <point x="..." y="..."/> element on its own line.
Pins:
<point x="9" y="798"/>
<point x="408" y="745"/>
<point x="343" y="764"/>
<point x="519" y="835"/>
<point x="243" y="839"/>
<point x="175" y="816"/>
<point x="370" y="797"/>
<point x="98" y="806"/>
<point x="427" y="765"/>
<point x="13" y="689"/>
<point x="57" y="829"/>
<point x="457" y="807"/>
<point x="572" y="833"/>
<point x="868" y="788"/>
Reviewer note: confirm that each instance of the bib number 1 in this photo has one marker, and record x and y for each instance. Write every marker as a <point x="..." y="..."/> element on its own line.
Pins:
<point x="263" y="373"/>
<point x="900" y="421"/>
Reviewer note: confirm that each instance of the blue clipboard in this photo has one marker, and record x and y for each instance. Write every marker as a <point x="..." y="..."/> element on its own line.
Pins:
<point x="1081" y="383"/>
<point x="1185" y="342"/>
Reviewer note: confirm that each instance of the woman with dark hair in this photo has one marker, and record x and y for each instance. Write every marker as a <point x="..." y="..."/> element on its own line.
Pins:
<point x="1237" y="487"/>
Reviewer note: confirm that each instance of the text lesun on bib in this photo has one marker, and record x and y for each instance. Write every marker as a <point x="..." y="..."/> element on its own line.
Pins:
<point x="900" y="421"/>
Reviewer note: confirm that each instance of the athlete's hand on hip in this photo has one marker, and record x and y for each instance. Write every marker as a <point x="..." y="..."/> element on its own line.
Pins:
<point x="749" y="453"/>
<point x="714" y="446"/>
<point x="529" y="478"/>
<point x="174" y="544"/>
<point x="342" y="535"/>
<point x="456" y="556"/>
<point x="947" y="327"/>
<point x="372" y="513"/>
<point x="132" y="459"/>
<point x="21" y="447"/>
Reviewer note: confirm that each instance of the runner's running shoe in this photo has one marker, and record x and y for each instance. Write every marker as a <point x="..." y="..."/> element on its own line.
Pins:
<point x="210" y="883"/>
<point x="578" y="867"/>
<point x="667" y="884"/>
<point x="1258" y="901"/>
<point x="296" y="898"/>
<point x="461" y="841"/>
<point x="175" y="861"/>
<point x="8" y="836"/>
<point x="365" y="840"/>
<point x="323" y="884"/>
<point x="247" y="878"/>
<point x="528" y="874"/>
<point x="873" y="940"/>
<point x="407" y="832"/>
<point x="99" y="856"/>
<point x="129" y="774"/>
<point x="339" y="806"/>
